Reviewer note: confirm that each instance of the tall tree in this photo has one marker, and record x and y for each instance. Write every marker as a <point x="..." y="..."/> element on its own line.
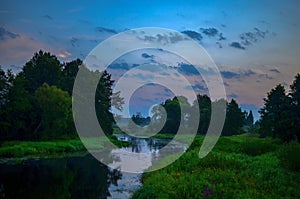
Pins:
<point x="42" y="68"/>
<point x="250" y="119"/>
<point x="234" y="119"/>
<point x="275" y="120"/>
<point x="20" y="112"/>
<point x="69" y="73"/>
<point x="56" y="116"/>
<point x="103" y="102"/>
<point x="204" y="104"/>
<point x="5" y="85"/>
<point x="295" y="106"/>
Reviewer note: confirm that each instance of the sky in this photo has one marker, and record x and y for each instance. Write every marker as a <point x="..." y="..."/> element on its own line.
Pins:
<point x="255" y="44"/>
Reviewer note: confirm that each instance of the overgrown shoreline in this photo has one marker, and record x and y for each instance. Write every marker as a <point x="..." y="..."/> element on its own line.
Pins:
<point x="20" y="150"/>
<point x="238" y="167"/>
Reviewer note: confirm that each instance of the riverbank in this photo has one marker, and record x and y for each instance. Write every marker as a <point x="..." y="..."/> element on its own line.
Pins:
<point x="238" y="167"/>
<point x="54" y="148"/>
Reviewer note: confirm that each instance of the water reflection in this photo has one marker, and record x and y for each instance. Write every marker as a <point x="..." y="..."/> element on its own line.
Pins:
<point x="82" y="177"/>
<point x="76" y="177"/>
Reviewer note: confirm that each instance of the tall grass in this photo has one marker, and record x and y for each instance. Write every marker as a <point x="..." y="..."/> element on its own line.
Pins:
<point x="238" y="167"/>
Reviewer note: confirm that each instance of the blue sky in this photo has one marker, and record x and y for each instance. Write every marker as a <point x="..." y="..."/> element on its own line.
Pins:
<point x="256" y="45"/>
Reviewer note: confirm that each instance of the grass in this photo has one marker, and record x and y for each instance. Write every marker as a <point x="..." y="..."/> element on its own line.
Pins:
<point x="57" y="148"/>
<point x="238" y="167"/>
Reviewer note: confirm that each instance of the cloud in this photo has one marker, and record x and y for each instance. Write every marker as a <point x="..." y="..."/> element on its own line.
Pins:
<point x="119" y="66"/>
<point x="74" y="42"/>
<point x="221" y="37"/>
<point x="187" y="69"/>
<point x="18" y="50"/>
<point x="199" y="87"/>
<point x="102" y="29"/>
<point x="164" y="38"/>
<point x="274" y="70"/>
<point x="143" y="76"/>
<point x="219" y="44"/>
<point x="249" y="38"/>
<point x="5" y="34"/>
<point x="48" y="17"/>
<point x="237" y="45"/>
<point x="229" y="74"/>
<point x="146" y="56"/>
<point x="266" y="76"/>
<point x="193" y="34"/>
<point x="249" y="73"/>
<point x="64" y="54"/>
<point x="211" y="32"/>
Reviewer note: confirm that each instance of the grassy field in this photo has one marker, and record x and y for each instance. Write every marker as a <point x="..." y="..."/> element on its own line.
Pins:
<point x="57" y="148"/>
<point x="238" y="167"/>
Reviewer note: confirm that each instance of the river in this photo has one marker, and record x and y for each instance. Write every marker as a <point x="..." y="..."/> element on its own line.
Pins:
<point x="76" y="177"/>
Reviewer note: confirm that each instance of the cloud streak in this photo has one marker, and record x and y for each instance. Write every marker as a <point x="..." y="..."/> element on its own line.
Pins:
<point x="237" y="45"/>
<point x="108" y="30"/>
<point x="193" y="34"/>
<point x="5" y="34"/>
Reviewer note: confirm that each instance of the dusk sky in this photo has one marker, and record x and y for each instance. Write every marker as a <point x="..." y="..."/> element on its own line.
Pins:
<point x="255" y="44"/>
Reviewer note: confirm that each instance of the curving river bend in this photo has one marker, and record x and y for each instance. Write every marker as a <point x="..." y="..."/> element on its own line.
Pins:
<point x="77" y="177"/>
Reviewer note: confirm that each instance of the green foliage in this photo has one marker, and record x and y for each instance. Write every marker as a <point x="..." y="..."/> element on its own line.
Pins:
<point x="280" y="116"/>
<point x="254" y="147"/>
<point x="250" y="119"/>
<point x="289" y="156"/>
<point x="103" y="102"/>
<point x="56" y="148"/>
<point x="36" y="104"/>
<point x="295" y="106"/>
<point x="56" y="115"/>
<point x="235" y="119"/>
<point x="20" y="113"/>
<point x="42" y="68"/>
<point x="69" y="73"/>
<point x="225" y="173"/>
<point x="204" y="104"/>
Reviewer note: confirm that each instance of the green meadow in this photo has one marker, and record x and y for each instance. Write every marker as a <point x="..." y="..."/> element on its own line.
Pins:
<point x="242" y="166"/>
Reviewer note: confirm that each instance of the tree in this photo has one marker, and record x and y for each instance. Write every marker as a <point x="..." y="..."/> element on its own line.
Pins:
<point x="234" y="120"/>
<point x="204" y="104"/>
<point x="69" y="73"/>
<point x="275" y="120"/>
<point x="250" y="119"/>
<point x="20" y="114"/>
<point x="103" y="102"/>
<point x="5" y="85"/>
<point x="138" y="119"/>
<point x="56" y="116"/>
<point x="173" y="108"/>
<point x="295" y="106"/>
<point x="42" y="68"/>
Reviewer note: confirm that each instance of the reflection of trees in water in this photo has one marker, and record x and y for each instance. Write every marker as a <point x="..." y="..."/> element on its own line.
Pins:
<point x="78" y="177"/>
<point x="135" y="145"/>
<point x="155" y="145"/>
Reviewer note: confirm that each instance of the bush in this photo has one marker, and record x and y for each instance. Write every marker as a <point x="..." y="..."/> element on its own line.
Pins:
<point x="289" y="156"/>
<point x="256" y="147"/>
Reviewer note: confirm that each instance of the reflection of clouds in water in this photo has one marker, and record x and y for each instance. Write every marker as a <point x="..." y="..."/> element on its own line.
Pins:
<point x="131" y="162"/>
<point x="142" y="153"/>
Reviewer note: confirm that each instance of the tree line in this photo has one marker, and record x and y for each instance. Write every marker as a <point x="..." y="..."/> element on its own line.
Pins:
<point x="236" y="121"/>
<point x="280" y="114"/>
<point x="36" y="102"/>
<point x="36" y="105"/>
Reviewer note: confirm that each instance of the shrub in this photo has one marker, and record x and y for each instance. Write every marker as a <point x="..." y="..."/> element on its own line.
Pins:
<point x="256" y="147"/>
<point x="289" y="156"/>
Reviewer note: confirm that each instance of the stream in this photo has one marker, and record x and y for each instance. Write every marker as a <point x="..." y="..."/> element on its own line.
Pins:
<point x="78" y="177"/>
